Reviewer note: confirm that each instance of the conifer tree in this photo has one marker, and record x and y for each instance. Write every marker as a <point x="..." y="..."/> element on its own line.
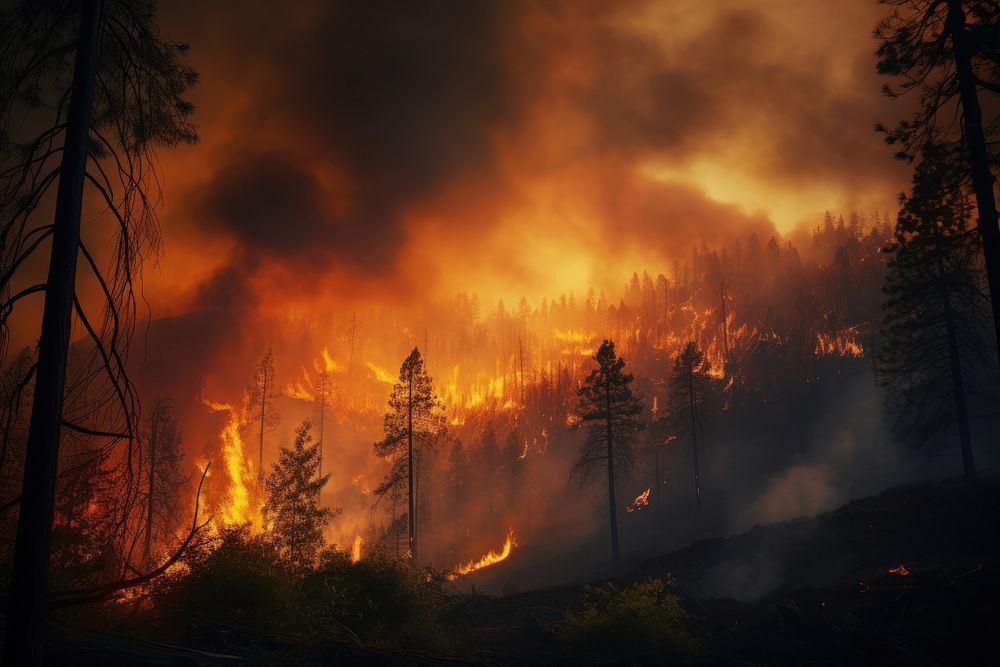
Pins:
<point x="936" y="323"/>
<point x="163" y="474"/>
<point x="88" y="91"/>
<point x="609" y="412"/>
<point x="948" y="52"/>
<point x="692" y="392"/>
<point x="291" y="503"/>
<point x="413" y="422"/>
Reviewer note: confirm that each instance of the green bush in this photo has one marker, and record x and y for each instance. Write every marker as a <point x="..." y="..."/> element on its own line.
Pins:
<point x="638" y="618"/>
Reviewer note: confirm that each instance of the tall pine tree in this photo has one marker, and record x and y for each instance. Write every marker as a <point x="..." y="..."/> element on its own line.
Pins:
<point x="692" y="392"/>
<point x="936" y="323"/>
<point x="948" y="51"/>
<point x="609" y="411"/>
<point x="414" y="421"/>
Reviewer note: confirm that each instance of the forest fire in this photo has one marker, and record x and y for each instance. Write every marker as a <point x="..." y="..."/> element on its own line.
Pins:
<point x="842" y="344"/>
<point x="491" y="558"/>
<point x="641" y="501"/>
<point x="237" y="507"/>
<point x="487" y="264"/>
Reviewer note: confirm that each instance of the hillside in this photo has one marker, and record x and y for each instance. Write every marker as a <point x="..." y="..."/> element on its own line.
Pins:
<point x="905" y="577"/>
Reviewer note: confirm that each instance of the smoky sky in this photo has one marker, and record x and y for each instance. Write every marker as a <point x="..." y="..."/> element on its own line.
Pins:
<point x="375" y="140"/>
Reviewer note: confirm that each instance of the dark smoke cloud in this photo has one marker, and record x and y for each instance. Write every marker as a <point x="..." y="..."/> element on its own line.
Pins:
<point x="364" y="114"/>
<point x="272" y="204"/>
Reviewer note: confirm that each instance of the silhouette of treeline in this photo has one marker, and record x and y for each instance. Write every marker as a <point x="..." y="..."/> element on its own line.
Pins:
<point x="508" y="377"/>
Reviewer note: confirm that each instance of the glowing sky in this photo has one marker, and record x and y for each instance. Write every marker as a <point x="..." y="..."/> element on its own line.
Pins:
<point x="387" y="149"/>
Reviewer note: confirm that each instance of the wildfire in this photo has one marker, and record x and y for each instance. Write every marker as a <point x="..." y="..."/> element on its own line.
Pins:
<point x="491" y="558"/>
<point x="238" y="508"/>
<point x="329" y="365"/>
<point x="843" y="344"/>
<point x="381" y="374"/>
<point x="641" y="500"/>
<point x="901" y="570"/>
<point x="356" y="549"/>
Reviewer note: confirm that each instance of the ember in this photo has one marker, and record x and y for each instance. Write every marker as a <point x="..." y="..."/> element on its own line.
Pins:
<point x="642" y="500"/>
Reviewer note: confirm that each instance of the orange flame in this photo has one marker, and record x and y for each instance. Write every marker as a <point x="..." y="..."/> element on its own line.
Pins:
<point x="641" y="500"/>
<point x="842" y="344"/>
<point x="491" y="558"/>
<point x="356" y="549"/>
<point x="238" y="507"/>
<point x="381" y="374"/>
<point x="901" y="570"/>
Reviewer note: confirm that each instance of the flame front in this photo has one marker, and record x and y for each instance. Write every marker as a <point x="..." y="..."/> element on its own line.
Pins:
<point x="491" y="558"/>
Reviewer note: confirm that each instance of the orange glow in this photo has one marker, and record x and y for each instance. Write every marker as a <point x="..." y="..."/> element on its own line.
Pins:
<point x="842" y="344"/>
<point x="641" y="501"/>
<point x="901" y="570"/>
<point x="356" y="549"/>
<point x="381" y="374"/>
<point x="238" y="506"/>
<point x="491" y="558"/>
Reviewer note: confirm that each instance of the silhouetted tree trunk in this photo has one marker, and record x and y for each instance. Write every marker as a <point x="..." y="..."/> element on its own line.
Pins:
<point x="979" y="159"/>
<point x="409" y="467"/>
<point x="958" y="387"/>
<point x="611" y="478"/>
<point x="24" y="637"/>
<point x="694" y="438"/>
<point x="150" y="499"/>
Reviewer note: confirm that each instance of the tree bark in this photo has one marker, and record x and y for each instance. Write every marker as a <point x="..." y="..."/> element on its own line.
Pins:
<point x="25" y="630"/>
<point x="979" y="160"/>
<point x="958" y="387"/>
<point x="611" y="479"/>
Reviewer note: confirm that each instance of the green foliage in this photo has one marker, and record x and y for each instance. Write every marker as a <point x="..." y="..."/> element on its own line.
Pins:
<point x="292" y="504"/>
<point x="641" y="617"/>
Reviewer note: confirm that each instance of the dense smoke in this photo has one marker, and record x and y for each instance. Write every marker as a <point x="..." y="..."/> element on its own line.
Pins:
<point x="363" y="163"/>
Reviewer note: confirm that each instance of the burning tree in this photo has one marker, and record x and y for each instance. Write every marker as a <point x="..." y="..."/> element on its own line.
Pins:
<point x="948" y="51"/>
<point x="692" y="389"/>
<point x="609" y="411"/>
<point x="936" y="321"/>
<point x="413" y="422"/>
<point x="87" y="91"/>
<point x="292" y="506"/>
